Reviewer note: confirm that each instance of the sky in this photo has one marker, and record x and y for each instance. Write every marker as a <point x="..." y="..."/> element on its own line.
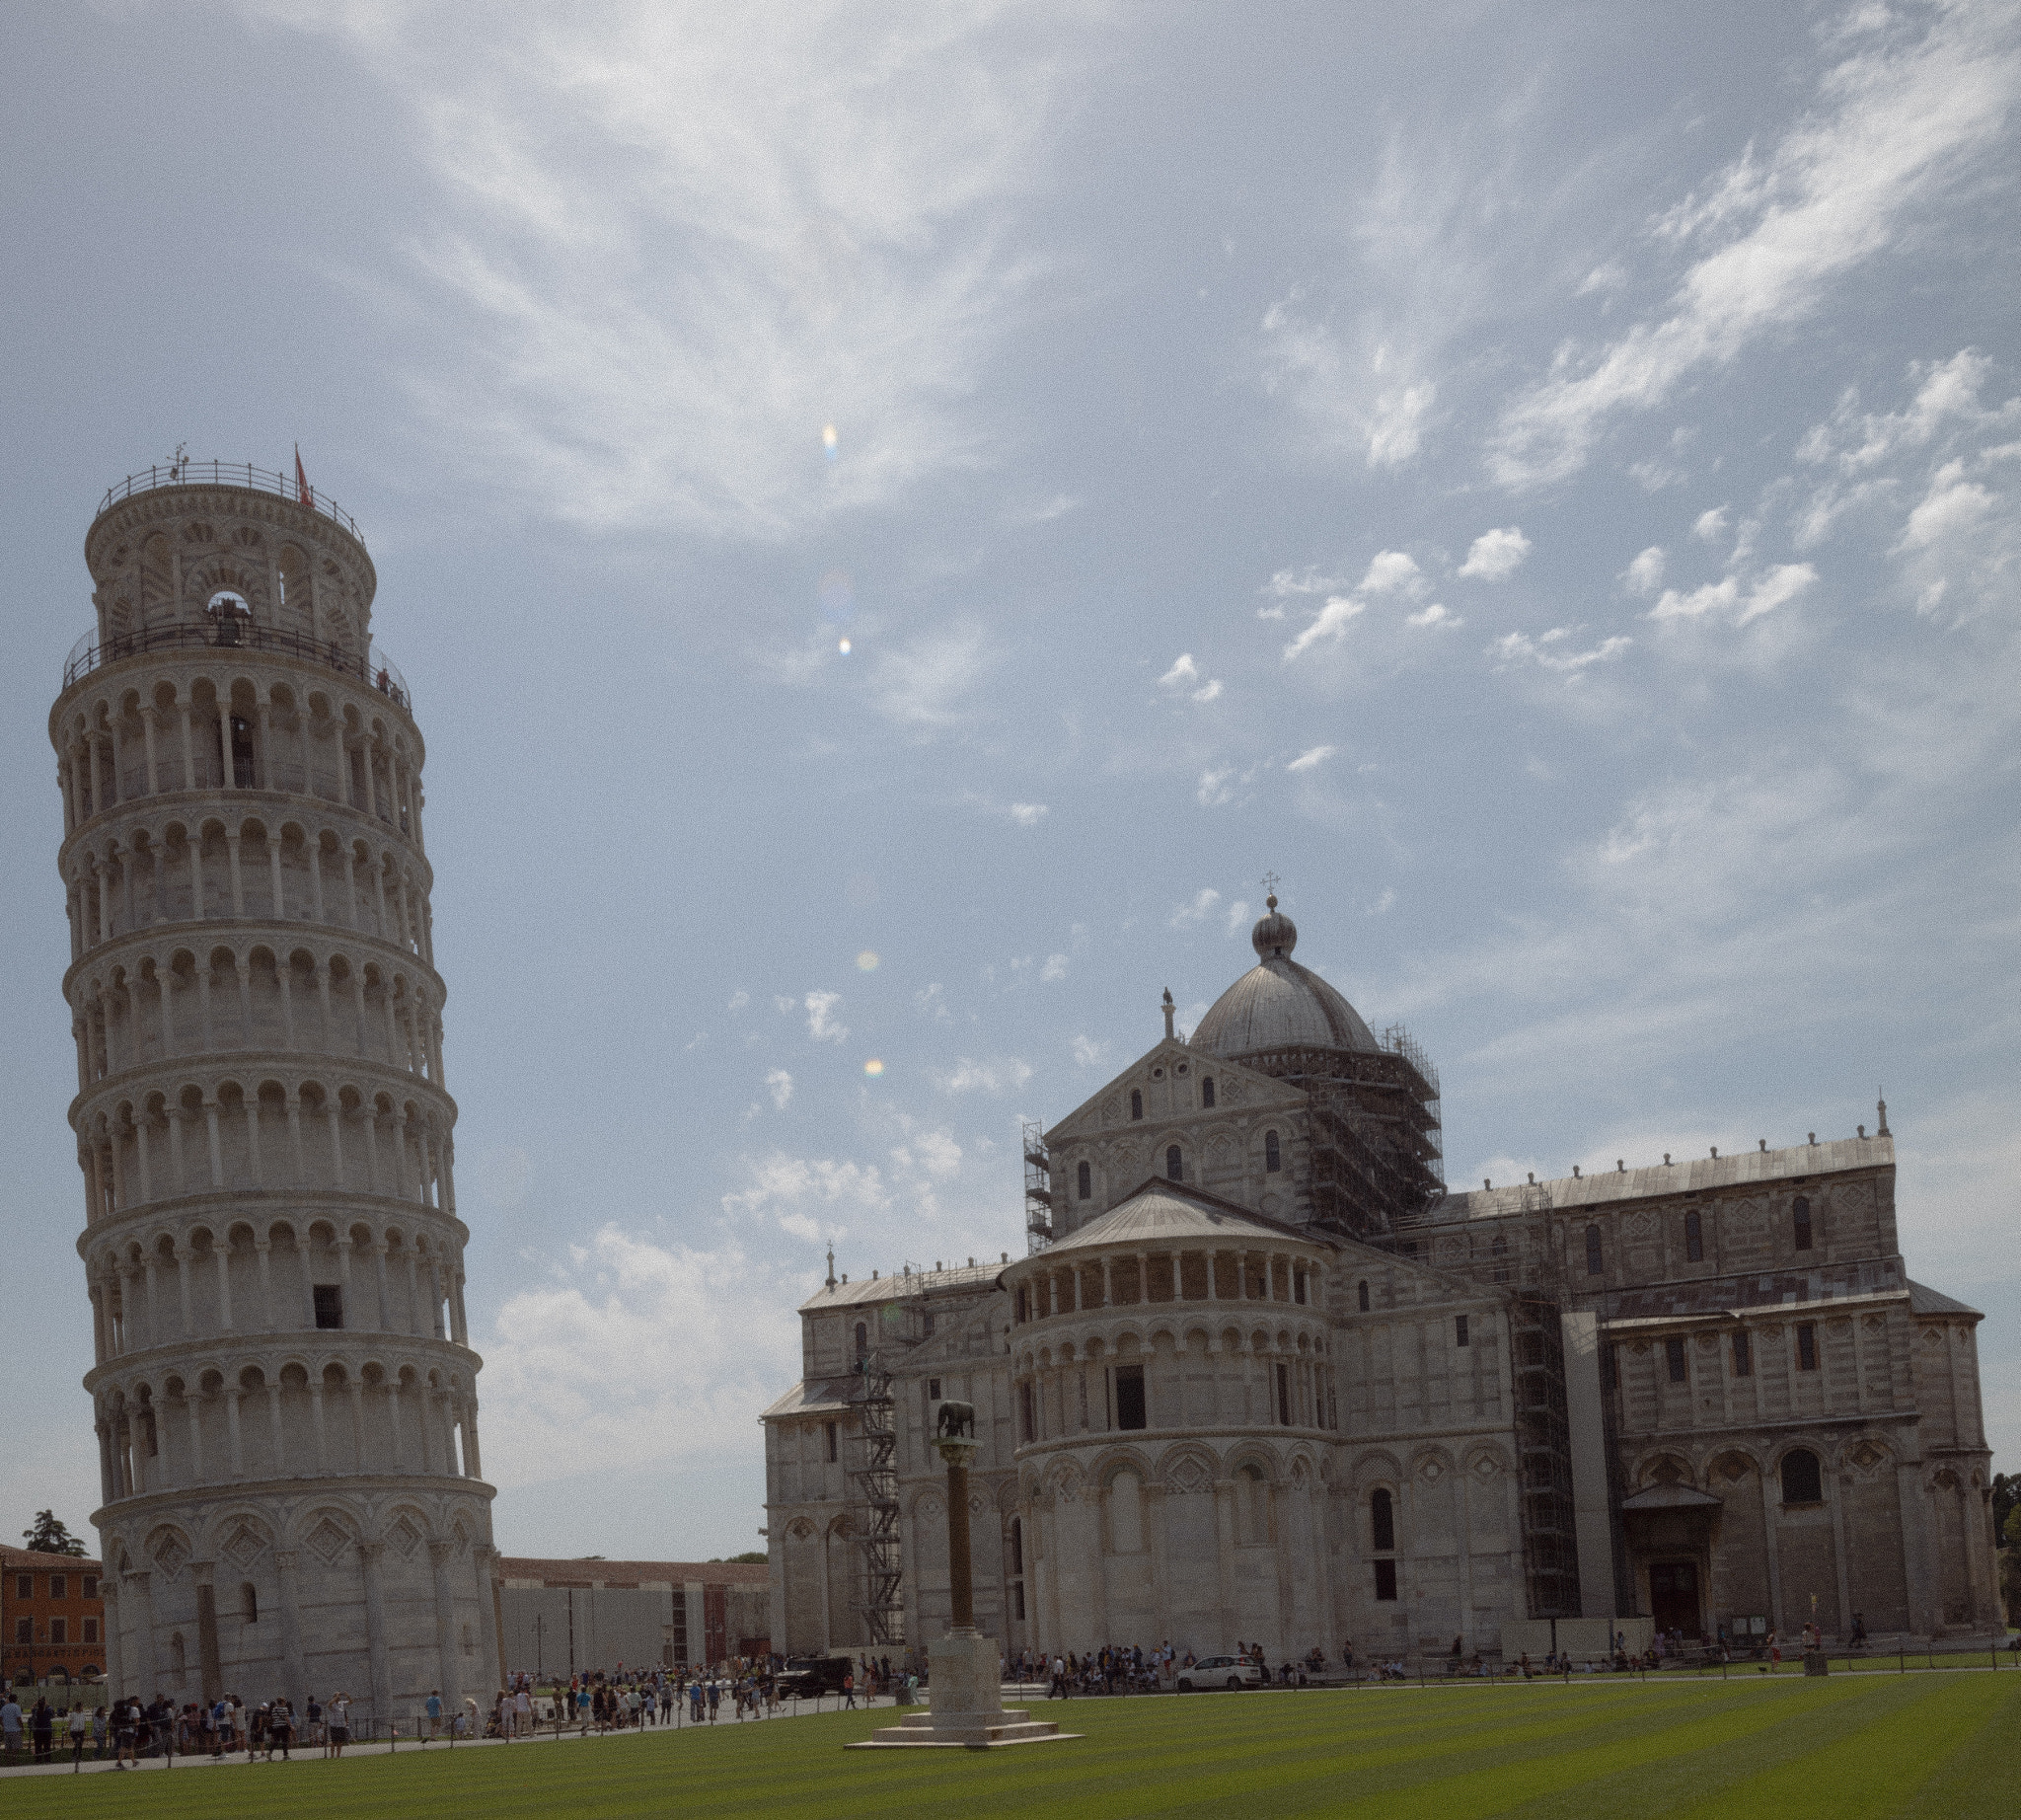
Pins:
<point x="895" y="520"/>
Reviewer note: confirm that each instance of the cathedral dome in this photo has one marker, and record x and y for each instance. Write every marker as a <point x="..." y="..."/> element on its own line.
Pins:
<point x="1280" y="1004"/>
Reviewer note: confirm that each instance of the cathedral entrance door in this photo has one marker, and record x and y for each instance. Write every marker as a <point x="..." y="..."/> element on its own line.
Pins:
<point x="1674" y="1595"/>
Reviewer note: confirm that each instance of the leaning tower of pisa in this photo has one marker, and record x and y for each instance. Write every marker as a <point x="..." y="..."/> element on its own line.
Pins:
<point x="283" y="1385"/>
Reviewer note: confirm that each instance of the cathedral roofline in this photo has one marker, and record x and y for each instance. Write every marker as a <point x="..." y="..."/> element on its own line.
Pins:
<point x="1162" y="1210"/>
<point x="1696" y="1176"/>
<point x="907" y="1283"/>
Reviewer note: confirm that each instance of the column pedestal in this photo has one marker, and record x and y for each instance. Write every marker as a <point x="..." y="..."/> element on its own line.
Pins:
<point x="966" y="1710"/>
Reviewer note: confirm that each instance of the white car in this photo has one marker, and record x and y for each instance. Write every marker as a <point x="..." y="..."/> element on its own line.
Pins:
<point x="1222" y="1671"/>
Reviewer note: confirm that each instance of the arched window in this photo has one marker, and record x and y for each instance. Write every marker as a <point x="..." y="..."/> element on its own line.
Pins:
<point x="1800" y="1213"/>
<point x="1085" y="1181"/>
<point x="251" y="1595"/>
<point x="1381" y="1522"/>
<point x="1593" y="1263"/>
<point x="1273" y="1158"/>
<point x="1136" y="1103"/>
<point x="1175" y="1163"/>
<point x="1017" y="1545"/>
<point x="1207" y="1091"/>
<point x="1360" y="1294"/>
<point x="1803" y="1480"/>
<point x="862" y="1342"/>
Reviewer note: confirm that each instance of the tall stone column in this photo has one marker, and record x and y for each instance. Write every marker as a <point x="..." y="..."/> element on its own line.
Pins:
<point x="440" y="1554"/>
<point x="1155" y="1512"/>
<point x="209" y="1658"/>
<point x="140" y="1588"/>
<point x="116" y="1652"/>
<point x="490" y="1620"/>
<point x="371" y="1557"/>
<point x="1224" y="1559"/>
<point x="294" y="1672"/>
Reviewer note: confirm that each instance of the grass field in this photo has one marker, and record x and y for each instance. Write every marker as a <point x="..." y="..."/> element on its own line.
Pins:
<point x="1846" y="1747"/>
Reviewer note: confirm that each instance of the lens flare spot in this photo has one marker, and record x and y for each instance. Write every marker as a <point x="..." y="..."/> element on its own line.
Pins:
<point x="873" y="1067"/>
<point x="866" y="961"/>
<point x="828" y="440"/>
<point x="842" y="646"/>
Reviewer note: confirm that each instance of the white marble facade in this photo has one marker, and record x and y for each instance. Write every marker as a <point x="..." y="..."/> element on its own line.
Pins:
<point x="1212" y="1410"/>
<point x="283" y="1387"/>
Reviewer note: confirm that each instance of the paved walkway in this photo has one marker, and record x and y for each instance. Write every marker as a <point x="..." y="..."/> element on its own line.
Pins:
<point x="405" y="1747"/>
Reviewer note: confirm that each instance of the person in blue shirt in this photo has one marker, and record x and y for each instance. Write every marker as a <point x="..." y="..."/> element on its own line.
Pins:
<point x="434" y="1711"/>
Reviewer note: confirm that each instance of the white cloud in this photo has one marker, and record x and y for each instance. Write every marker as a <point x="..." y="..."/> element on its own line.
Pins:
<point x="933" y="1001"/>
<point x="1645" y="573"/>
<point x="1005" y="1075"/>
<point x="1088" y="1053"/>
<point x="1897" y="123"/>
<point x="821" y="1024"/>
<point x="1947" y="392"/>
<point x="1727" y="600"/>
<point x="1433" y="615"/>
<point x="1552" y="651"/>
<point x="1710" y="525"/>
<point x="780" y="1084"/>
<point x="1332" y="622"/>
<point x="1390" y="569"/>
<point x="1311" y="758"/>
<point x="596" y="1368"/>
<point x="1952" y="505"/>
<point x="921" y="684"/>
<point x="1238" y="915"/>
<point x="1214" y="788"/>
<point x="1029" y="815"/>
<point x="1292" y="583"/>
<point x="1198" y="911"/>
<point x="1496" y="555"/>
<point x="1370" y="398"/>
<point x="1185" y="674"/>
<point x="676" y="242"/>
<point x="1054" y="970"/>
<point x="738" y="1000"/>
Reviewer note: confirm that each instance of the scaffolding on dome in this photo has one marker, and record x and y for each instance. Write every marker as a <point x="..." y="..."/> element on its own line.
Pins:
<point x="1375" y="1163"/>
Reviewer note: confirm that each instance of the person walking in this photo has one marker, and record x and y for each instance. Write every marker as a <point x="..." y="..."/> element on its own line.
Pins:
<point x="434" y="1708"/>
<point x="714" y="1698"/>
<point x="42" y="1729"/>
<point x="126" y="1730"/>
<point x="339" y="1722"/>
<point x="80" y="1736"/>
<point x="10" y="1727"/>
<point x="281" y="1729"/>
<point x="848" y="1688"/>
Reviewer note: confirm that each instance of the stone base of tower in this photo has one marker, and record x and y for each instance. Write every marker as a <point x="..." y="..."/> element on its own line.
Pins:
<point x="966" y="1711"/>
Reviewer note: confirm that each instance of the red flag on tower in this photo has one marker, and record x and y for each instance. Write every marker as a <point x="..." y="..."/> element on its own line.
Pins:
<point x="302" y="491"/>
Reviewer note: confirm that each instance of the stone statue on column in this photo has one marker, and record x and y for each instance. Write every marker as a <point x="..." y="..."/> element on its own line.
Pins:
<point x="964" y="1683"/>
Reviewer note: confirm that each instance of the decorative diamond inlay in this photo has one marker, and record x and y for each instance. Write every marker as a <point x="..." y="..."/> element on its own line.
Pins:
<point x="1191" y="1476"/>
<point x="244" y="1548"/>
<point x="1429" y="1470"/>
<point x="328" y="1540"/>
<point x="171" y="1556"/>
<point x="404" y="1537"/>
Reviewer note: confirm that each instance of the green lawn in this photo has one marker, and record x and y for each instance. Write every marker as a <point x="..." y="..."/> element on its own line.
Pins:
<point x="1845" y="1747"/>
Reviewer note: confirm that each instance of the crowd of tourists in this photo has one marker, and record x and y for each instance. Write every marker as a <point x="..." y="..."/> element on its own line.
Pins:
<point x="128" y="1730"/>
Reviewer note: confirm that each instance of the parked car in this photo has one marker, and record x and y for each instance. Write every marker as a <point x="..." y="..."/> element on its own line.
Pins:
<point x="1222" y="1671"/>
<point x="809" y="1675"/>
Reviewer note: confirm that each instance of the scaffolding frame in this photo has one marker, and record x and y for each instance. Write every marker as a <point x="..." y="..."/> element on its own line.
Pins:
<point x="873" y="1474"/>
<point x="1543" y="1424"/>
<point x="1038" y="1189"/>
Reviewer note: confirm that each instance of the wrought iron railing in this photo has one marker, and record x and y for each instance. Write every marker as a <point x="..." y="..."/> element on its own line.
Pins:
<point x="232" y="632"/>
<point x="231" y="474"/>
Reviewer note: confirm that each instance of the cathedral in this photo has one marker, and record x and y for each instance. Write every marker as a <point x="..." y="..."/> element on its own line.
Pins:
<point x="1262" y="1377"/>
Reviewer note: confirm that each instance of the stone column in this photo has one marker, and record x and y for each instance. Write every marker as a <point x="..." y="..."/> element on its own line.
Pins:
<point x="491" y="1613"/>
<point x="210" y="1669"/>
<point x="1224" y="1559"/>
<point x="295" y="1675"/>
<point x="369" y="1553"/>
<point x="1154" y="1496"/>
<point x="439" y="1555"/>
<point x="141" y="1586"/>
<point x="1768" y="1543"/>
<point x="115" y="1655"/>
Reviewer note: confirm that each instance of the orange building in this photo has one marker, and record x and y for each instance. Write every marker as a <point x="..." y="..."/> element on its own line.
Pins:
<point x="52" y="1622"/>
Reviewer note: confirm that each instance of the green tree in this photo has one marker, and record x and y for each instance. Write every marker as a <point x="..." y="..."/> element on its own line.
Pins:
<point x="49" y="1537"/>
<point x="754" y="1558"/>
<point x="2007" y="1500"/>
